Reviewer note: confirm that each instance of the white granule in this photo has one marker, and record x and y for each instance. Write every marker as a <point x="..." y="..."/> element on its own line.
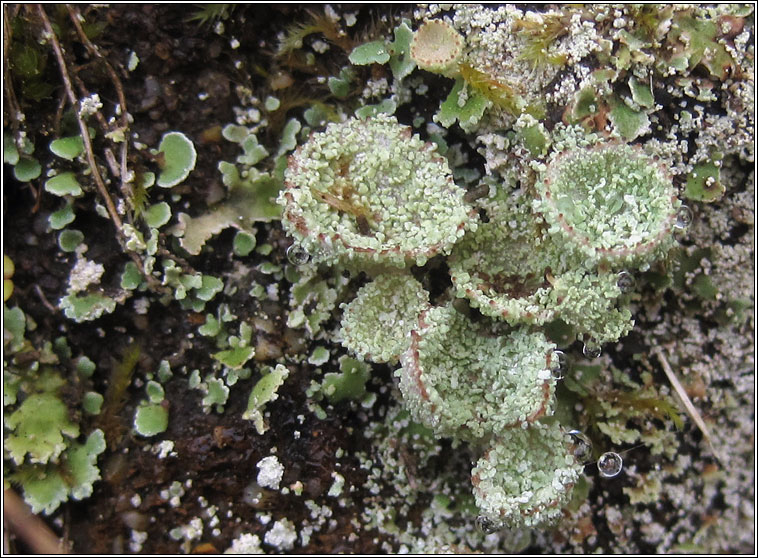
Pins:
<point x="282" y="535"/>
<point x="245" y="544"/>
<point x="270" y="472"/>
<point x="90" y="105"/>
<point x="84" y="273"/>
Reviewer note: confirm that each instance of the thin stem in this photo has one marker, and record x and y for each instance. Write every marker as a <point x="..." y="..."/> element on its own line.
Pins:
<point x="43" y="298"/>
<point x="688" y="406"/>
<point x="75" y="16"/>
<point x="99" y="182"/>
<point x="10" y="95"/>
<point x="110" y="206"/>
<point x="28" y="527"/>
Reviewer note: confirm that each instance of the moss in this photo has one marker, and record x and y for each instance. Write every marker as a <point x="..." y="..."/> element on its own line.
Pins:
<point x="499" y="93"/>
<point x="540" y="36"/>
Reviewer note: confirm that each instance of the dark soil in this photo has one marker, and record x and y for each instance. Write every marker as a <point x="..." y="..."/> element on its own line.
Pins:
<point x="178" y="60"/>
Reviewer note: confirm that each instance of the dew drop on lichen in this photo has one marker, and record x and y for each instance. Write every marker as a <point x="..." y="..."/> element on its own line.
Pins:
<point x="297" y="255"/>
<point x="625" y="282"/>
<point x="486" y="525"/>
<point x="558" y="365"/>
<point x="609" y="464"/>
<point x="582" y="444"/>
<point x="591" y="349"/>
<point x="683" y="218"/>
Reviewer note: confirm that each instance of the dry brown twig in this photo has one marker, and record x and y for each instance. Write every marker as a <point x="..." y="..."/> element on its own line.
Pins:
<point x="76" y="18"/>
<point x="687" y="403"/>
<point x="110" y="206"/>
<point x="28" y="527"/>
<point x="46" y="303"/>
<point x="10" y="95"/>
<point x="97" y="177"/>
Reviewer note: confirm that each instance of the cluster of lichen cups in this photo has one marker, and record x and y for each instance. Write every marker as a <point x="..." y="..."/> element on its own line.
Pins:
<point x="369" y="196"/>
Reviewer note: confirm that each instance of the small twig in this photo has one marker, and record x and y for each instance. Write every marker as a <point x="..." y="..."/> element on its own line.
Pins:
<point x="43" y="298"/>
<point x="110" y="158"/>
<point x="10" y="95"/>
<point x="110" y="206"/>
<point x="75" y="16"/>
<point x="688" y="406"/>
<point x="66" y="539"/>
<point x="186" y="267"/>
<point x="99" y="182"/>
<point x="28" y="527"/>
<point x="124" y="174"/>
<point x="37" y="193"/>
<point x="59" y="114"/>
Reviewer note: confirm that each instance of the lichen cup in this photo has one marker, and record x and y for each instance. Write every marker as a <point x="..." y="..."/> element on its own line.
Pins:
<point x="463" y="380"/>
<point x="611" y="203"/>
<point x="368" y="192"/>
<point x="526" y="476"/>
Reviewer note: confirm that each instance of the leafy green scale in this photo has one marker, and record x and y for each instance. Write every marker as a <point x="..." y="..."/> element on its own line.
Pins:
<point x="38" y="428"/>
<point x="46" y="487"/>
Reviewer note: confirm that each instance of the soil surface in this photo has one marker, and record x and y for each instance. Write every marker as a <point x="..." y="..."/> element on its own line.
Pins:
<point x="184" y="81"/>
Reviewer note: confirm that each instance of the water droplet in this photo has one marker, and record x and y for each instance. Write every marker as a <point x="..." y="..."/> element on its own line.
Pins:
<point x="558" y="364"/>
<point x="582" y="444"/>
<point x="609" y="464"/>
<point x="625" y="282"/>
<point x="591" y="349"/>
<point x="297" y="255"/>
<point x="486" y="525"/>
<point x="683" y="217"/>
